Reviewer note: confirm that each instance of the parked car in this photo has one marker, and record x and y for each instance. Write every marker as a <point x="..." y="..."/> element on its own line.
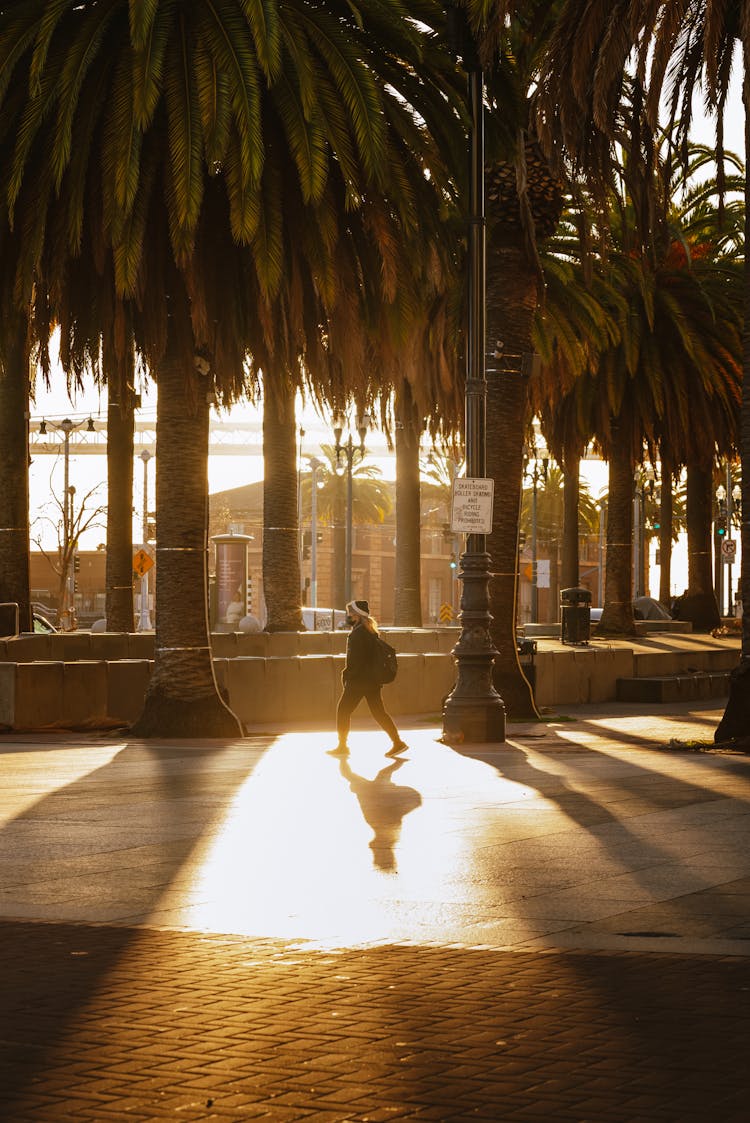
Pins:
<point x="644" y="608"/>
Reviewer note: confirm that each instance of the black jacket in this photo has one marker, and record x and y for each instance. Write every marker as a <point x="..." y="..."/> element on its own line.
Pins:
<point x="360" y="657"/>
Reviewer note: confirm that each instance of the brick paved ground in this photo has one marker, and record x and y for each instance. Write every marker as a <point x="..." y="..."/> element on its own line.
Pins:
<point x="112" y="1023"/>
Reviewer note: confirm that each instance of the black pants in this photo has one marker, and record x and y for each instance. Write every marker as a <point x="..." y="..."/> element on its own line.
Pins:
<point x="353" y="694"/>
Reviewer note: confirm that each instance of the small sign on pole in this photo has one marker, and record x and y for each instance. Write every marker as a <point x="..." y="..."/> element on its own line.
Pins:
<point x="543" y="574"/>
<point x="728" y="550"/>
<point x="142" y="562"/>
<point x="471" y="509"/>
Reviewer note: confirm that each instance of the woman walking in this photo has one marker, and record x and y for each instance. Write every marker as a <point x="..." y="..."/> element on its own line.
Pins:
<point x="361" y="681"/>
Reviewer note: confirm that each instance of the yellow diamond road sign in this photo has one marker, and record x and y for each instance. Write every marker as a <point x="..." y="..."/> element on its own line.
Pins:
<point x="142" y="562"/>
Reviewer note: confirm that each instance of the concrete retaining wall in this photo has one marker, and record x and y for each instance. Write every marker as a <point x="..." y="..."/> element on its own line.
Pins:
<point x="84" y="692"/>
<point x="581" y="674"/>
<point x="299" y="682"/>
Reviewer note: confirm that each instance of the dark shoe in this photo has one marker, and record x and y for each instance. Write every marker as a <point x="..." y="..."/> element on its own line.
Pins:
<point x="340" y="750"/>
<point x="396" y="748"/>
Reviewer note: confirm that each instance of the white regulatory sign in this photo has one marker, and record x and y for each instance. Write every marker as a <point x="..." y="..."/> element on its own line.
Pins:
<point x="471" y="509"/>
<point x="728" y="549"/>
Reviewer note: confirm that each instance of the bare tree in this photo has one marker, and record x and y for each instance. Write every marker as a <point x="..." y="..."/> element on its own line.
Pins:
<point x="69" y="522"/>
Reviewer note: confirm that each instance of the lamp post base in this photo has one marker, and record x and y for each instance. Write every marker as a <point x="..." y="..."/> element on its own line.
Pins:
<point x="144" y="617"/>
<point x="474" y="720"/>
<point x="474" y="711"/>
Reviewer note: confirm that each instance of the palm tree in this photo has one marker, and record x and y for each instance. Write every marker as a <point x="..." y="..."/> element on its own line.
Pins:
<point x="214" y="161"/>
<point x="679" y="48"/>
<point x="408" y="600"/>
<point x="524" y="202"/>
<point x="551" y="505"/>
<point x="119" y="565"/>
<point x="98" y="339"/>
<point x="281" y="569"/>
<point x="429" y="397"/>
<point x="14" y="452"/>
<point x="14" y="439"/>
<point x="672" y="350"/>
<point x="572" y="328"/>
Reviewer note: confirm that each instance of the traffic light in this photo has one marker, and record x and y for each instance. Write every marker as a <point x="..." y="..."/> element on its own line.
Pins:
<point x="521" y="539"/>
<point x="721" y="519"/>
<point x="76" y="564"/>
<point x="454" y="562"/>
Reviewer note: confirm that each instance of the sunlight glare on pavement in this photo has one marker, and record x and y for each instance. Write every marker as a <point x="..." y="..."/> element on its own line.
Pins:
<point x="349" y="850"/>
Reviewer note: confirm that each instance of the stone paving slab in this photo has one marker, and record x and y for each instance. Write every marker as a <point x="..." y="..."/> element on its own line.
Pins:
<point x="115" y="1023"/>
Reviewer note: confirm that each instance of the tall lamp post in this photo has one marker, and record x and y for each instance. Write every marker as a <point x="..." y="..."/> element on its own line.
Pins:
<point x="722" y="530"/>
<point x="474" y="711"/>
<point x="144" y="619"/>
<point x="535" y="475"/>
<point x="602" y="505"/>
<point x="349" y="449"/>
<point x="734" y="503"/>
<point x="315" y="466"/>
<point x="644" y="482"/>
<point x="66" y="612"/>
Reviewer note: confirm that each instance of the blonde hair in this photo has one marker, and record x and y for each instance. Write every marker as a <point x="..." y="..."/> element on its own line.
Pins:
<point x="371" y="624"/>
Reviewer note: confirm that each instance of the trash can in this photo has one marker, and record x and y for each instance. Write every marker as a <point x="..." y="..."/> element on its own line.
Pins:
<point x="575" y="615"/>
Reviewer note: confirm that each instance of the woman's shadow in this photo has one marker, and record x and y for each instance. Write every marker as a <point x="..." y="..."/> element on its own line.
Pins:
<point x="384" y="807"/>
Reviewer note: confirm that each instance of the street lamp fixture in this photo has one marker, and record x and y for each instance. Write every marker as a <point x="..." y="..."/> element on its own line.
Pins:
<point x="349" y="449"/>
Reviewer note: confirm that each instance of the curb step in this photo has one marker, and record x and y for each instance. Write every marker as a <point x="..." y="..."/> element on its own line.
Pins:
<point x="674" y="688"/>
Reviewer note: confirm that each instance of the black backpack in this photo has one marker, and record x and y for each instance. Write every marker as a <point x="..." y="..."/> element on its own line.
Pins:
<point x="385" y="663"/>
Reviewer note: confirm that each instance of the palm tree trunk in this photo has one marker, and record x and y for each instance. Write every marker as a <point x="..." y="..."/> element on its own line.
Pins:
<point x="736" y="720"/>
<point x="511" y="302"/>
<point x="281" y="565"/>
<point x="408" y="603"/>
<point x="571" y="566"/>
<point x="182" y="699"/>
<point x="119" y="571"/>
<point x="699" y="603"/>
<point x="666" y="516"/>
<point x="14" y="470"/>
<point x="617" y="613"/>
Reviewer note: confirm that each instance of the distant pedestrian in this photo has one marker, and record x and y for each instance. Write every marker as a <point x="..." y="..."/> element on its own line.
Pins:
<point x="361" y="679"/>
